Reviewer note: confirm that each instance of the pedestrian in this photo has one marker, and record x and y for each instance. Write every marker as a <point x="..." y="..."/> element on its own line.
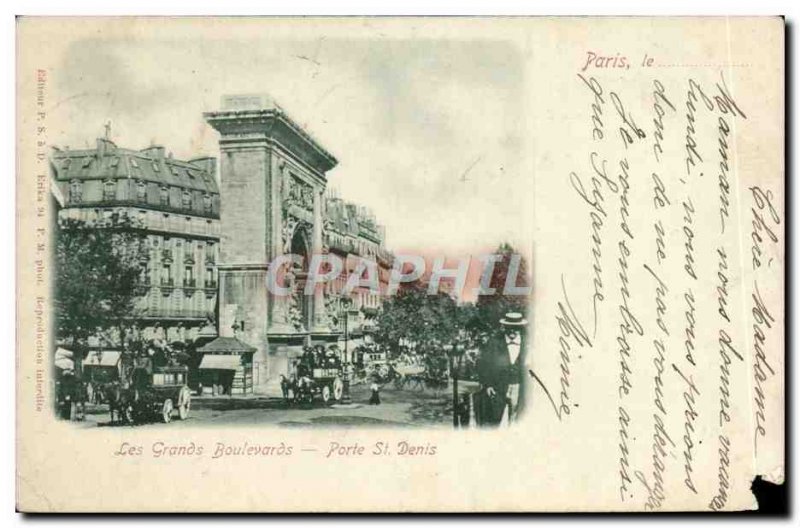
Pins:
<point x="319" y="356"/>
<point x="499" y="369"/>
<point x="284" y="387"/>
<point x="375" y="398"/>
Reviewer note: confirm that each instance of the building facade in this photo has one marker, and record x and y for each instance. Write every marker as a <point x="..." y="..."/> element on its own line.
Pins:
<point x="352" y="233"/>
<point x="176" y="202"/>
<point x="212" y="242"/>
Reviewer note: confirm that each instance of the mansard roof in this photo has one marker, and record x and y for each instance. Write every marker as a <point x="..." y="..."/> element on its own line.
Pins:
<point x="109" y="162"/>
<point x="350" y="219"/>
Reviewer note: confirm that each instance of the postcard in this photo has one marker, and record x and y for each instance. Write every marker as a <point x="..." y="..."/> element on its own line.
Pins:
<point x="399" y="264"/>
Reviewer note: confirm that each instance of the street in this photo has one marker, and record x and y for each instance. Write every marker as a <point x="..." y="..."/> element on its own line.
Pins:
<point x="398" y="408"/>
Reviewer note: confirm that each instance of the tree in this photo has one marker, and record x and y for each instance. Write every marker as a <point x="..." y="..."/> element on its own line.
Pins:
<point x="98" y="270"/>
<point x="430" y="325"/>
<point x="425" y="324"/>
<point x="490" y="308"/>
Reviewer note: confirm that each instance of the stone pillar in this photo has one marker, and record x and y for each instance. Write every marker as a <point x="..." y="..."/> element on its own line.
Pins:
<point x="278" y="321"/>
<point x="245" y="181"/>
<point x="319" y="322"/>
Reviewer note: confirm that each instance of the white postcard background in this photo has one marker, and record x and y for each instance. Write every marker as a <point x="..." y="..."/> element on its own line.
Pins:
<point x="552" y="461"/>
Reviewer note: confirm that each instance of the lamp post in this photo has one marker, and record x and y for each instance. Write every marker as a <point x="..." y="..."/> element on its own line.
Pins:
<point x="345" y="303"/>
<point x="456" y="353"/>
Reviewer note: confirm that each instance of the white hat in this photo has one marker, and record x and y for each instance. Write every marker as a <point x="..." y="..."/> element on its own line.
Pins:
<point x="513" y="319"/>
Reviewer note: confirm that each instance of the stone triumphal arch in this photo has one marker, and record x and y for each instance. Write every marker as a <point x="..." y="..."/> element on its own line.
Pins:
<point x="272" y="184"/>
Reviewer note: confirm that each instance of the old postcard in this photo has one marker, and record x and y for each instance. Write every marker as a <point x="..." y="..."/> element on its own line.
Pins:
<point x="399" y="265"/>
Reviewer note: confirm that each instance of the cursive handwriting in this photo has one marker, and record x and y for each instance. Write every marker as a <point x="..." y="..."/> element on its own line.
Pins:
<point x="572" y="331"/>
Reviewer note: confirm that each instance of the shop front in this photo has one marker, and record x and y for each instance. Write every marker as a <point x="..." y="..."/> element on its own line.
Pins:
<point x="226" y="367"/>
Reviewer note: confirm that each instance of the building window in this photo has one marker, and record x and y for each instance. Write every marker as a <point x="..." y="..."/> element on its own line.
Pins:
<point x="144" y="274"/>
<point x="166" y="252"/>
<point x="165" y="195"/>
<point x="166" y="275"/>
<point x="134" y="163"/>
<point x="188" y="276"/>
<point x="141" y="191"/>
<point x="187" y="200"/>
<point x="207" y="203"/>
<point x="75" y="191"/>
<point x="210" y="282"/>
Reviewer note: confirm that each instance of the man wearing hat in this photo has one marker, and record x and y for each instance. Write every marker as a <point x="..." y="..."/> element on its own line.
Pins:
<point x="500" y="368"/>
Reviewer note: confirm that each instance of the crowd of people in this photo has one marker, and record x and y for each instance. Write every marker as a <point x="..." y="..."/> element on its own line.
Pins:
<point x="318" y="357"/>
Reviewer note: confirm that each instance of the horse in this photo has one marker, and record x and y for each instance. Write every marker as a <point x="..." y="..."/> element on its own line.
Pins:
<point x="119" y="402"/>
<point x="288" y="388"/>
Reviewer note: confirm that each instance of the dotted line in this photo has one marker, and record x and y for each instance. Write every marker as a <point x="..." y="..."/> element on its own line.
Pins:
<point x="702" y="65"/>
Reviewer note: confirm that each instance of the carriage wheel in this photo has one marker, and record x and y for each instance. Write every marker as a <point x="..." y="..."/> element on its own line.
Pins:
<point x="326" y="393"/>
<point x="166" y="411"/>
<point x="338" y="388"/>
<point x="184" y="403"/>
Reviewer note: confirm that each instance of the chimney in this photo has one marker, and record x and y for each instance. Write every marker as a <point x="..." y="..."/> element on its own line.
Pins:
<point x="156" y="152"/>
<point x="104" y="146"/>
<point x="207" y="163"/>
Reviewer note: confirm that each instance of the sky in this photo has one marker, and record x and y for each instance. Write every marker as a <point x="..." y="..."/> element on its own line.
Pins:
<point x="428" y="133"/>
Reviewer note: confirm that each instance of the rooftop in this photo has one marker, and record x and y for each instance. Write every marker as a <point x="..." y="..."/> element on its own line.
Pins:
<point x="107" y="161"/>
<point x="256" y="113"/>
<point x="226" y="344"/>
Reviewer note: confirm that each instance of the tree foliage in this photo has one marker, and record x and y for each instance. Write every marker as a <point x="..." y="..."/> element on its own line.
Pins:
<point x="415" y="321"/>
<point x="493" y="306"/>
<point x="98" y="268"/>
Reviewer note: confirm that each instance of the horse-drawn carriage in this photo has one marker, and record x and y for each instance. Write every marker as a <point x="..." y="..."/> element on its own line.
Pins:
<point x="408" y="374"/>
<point x="150" y="393"/>
<point x="325" y="382"/>
<point x="419" y="377"/>
<point x="314" y="375"/>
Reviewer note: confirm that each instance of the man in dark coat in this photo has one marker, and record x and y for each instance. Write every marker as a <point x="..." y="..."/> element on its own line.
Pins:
<point x="500" y="373"/>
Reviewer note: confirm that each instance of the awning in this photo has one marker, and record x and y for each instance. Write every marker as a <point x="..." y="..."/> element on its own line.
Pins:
<point x="409" y="370"/>
<point x="63" y="352"/>
<point x="64" y="363"/>
<point x="107" y="358"/>
<point x="221" y="362"/>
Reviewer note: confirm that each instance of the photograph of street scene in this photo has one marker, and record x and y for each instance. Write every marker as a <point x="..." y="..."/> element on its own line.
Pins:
<point x="246" y="274"/>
